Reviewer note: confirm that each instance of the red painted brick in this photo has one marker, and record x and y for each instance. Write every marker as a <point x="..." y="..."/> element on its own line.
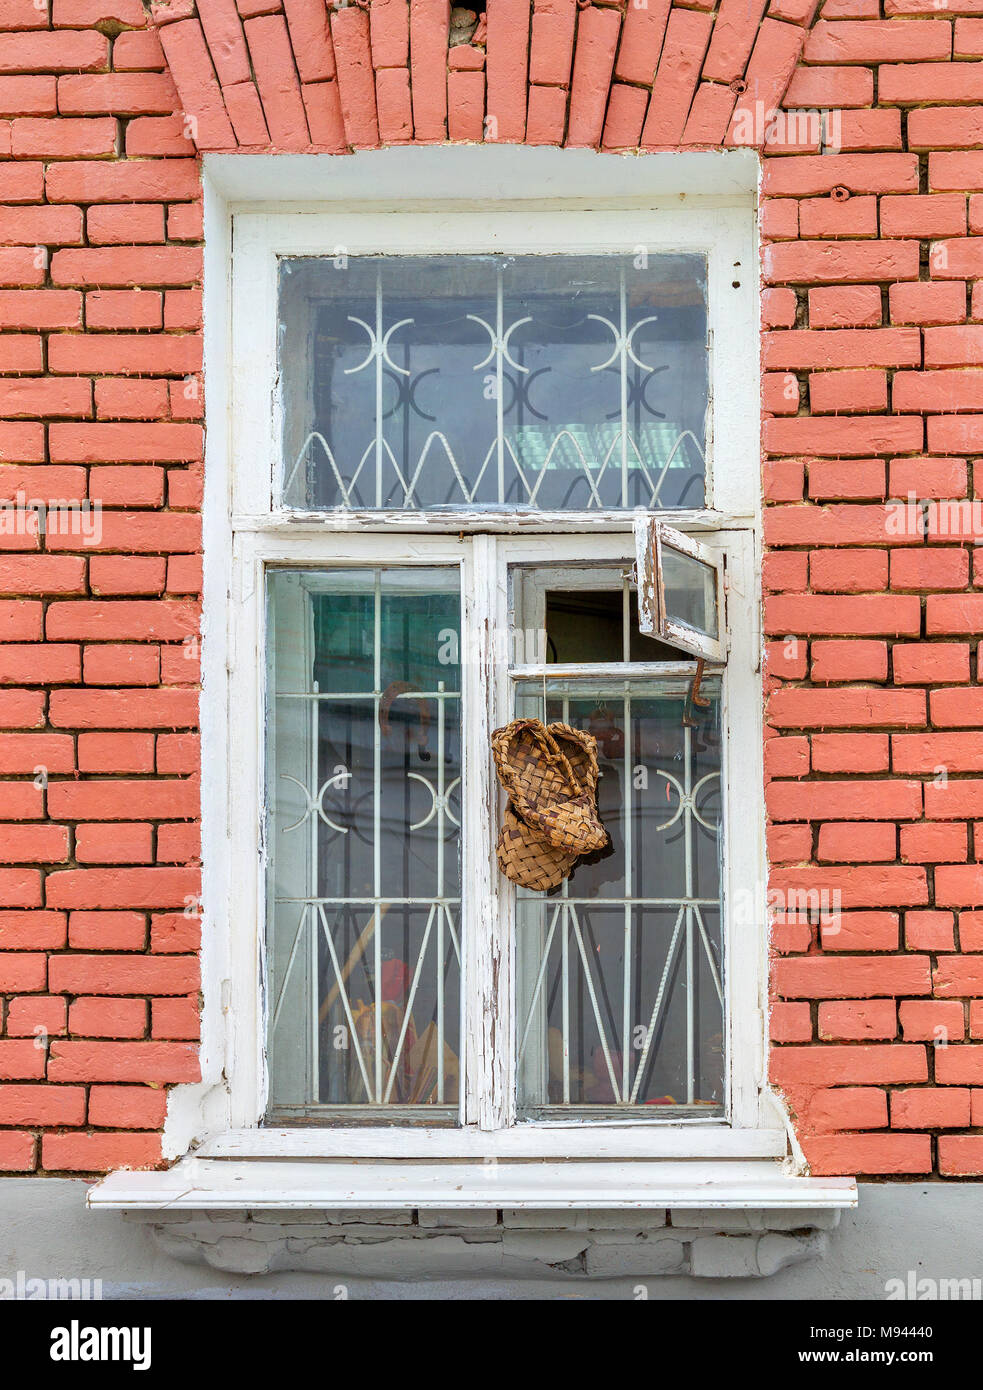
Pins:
<point x="394" y="105"/>
<point x="120" y="888"/>
<point x="929" y="931"/>
<point x="868" y="1153"/>
<point x="846" y="800"/>
<point x="857" y="843"/>
<point x="829" y="87"/>
<point x="50" y="51"/>
<point x="802" y="176"/>
<point x="848" y="306"/>
<point x="840" y="262"/>
<point x="878" y="41"/>
<point x="107" y="931"/>
<point x="845" y="1107"/>
<point x="42" y="1105"/>
<point x="931" y="1020"/>
<point x="790" y="1022"/>
<point x="107" y="1018"/>
<point x="860" y="931"/>
<point x="113" y="844"/>
<point x="859" y="478"/>
<point x="927" y="477"/>
<point x="863" y="1063"/>
<point x="507" y="65"/>
<point x="191" y="68"/>
<point x="122" y="1061"/>
<point x="35" y="1015"/>
<point x="97" y="181"/>
<point x="856" y="977"/>
<point x="959" y="1066"/>
<point x="773" y="60"/>
<point x="85" y="1153"/>
<point x="870" y="886"/>
<point x="276" y="78"/>
<point x="687" y="36"/>
<point x="850" y="752"/>
<point x="933" y="844"/>
<point x="127" y="1107"/>
<point x="429" y="31"/>
<point x="226" y="44"/>
<point x="641" y="40"/>
<point x="829" y="217"/>
<point x="625" y="114"/>
<point x="115" y="225"/>
<point x="245" y="111"/>
<point x="390" y="33"/>
<point x="138" y="52"/>
<point x="863" y="131"/>
<point x="930" y="1108"/>
<point x="175" y="1018"/>
<point x="849" y="661"/>
<point x="930" y="662"/>
<point x="22" y="1060"/>
<point x="833" y="615"/>
<point x="960" y="1155"/>
<point x="857" y="1020"/>
<point x="310" y="39"/>
<point x="927" y="303"/>
<point x="350" y="37"/>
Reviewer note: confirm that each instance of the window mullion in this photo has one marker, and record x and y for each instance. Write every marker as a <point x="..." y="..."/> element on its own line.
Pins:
<point x="489" y="1098"/>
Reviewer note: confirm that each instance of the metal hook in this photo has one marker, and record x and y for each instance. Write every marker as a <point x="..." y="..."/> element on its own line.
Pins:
<point x="694" y="700"/>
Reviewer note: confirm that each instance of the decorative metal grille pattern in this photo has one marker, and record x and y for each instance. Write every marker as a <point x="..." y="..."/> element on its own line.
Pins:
<point x="620" y="983"/>
<point x="546" y="382"/>
<point x="366" y="949"/>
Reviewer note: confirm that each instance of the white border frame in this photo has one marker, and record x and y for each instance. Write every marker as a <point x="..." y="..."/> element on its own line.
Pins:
<point x="224" y="1104"/>
<point x="724" y="234"/>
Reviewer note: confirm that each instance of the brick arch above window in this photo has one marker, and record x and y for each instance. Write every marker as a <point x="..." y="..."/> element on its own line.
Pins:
<point x="300" y="76"/>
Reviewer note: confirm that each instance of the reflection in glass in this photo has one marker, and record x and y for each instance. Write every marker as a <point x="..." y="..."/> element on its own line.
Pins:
<point x="556" y="382"/>
<point x="690" y="588"/>
<point x="364" y="768"/>
<point x="620" y="975"/>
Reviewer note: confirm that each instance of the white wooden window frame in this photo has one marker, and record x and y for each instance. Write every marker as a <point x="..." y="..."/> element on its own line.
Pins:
<point x="488" y="977"/>
<point x="484" y="197"/>
<point x="228" y="1160"/>
<point x="724" y="234"/>
<point x="652" y="539"/>
<point x="266" y="534"/>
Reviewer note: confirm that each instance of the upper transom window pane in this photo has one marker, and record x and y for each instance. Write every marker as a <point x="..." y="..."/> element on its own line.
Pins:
<point x="574" y="383"/>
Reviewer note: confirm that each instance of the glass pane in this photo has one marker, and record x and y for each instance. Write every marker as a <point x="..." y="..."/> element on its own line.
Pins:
<point x="557" y="382"/>
<point x="620" y="969"/>
<point x="690" y="588"/>
<point x="364" y="770"/>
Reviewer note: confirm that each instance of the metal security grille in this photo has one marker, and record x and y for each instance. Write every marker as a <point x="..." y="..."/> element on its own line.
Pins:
<point x="366" y="783"/>
<point x="546" y="382"/>
<point x="620" y="978"/>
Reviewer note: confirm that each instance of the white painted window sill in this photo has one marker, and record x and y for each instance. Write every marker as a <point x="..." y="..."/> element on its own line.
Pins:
<point x="555" y="1140"/>
<point x="202" y="1184"/>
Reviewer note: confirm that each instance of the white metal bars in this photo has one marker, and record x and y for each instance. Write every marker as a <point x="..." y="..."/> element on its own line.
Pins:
<point x="622" y="461"/>
<point x="627" y="1059"/>
<point x="378" y="1044"/>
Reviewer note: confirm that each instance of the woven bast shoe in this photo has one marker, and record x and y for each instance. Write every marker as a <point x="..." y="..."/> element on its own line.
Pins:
<point x="529" y="860"/>
<point x="534" y="768"/>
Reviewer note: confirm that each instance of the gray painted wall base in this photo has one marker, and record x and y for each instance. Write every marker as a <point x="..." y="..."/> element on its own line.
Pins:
<point x="931" y="1230"/>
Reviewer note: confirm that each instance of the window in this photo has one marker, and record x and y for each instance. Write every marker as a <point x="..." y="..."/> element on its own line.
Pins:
<point x="570" y="382"/>
<point x="618" y="977"/>
<point x="507" y="471"/>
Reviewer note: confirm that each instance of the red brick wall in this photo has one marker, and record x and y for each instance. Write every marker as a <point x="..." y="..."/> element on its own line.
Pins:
<point x="872" y="362"/>
<point x="100" y="264"/>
